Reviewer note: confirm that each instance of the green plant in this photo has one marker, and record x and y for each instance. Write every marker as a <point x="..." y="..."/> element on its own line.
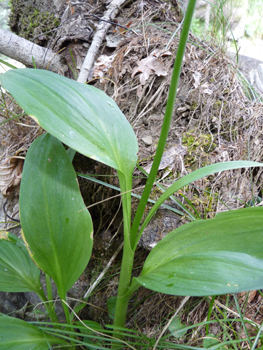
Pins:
<point x="205" y="257"/>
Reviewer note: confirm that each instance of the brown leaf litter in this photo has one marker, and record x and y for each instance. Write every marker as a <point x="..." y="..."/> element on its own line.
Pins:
<point x="16" y="137"/>
<point x="10" y="173"/>
<point x="214" y="120"/>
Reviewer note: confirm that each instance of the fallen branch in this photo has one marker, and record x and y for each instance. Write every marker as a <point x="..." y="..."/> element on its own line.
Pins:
<point x="24" y="51"/>
<point x="98" y="38"/>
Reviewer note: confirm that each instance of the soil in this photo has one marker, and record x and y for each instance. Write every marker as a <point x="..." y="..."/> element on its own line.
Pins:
<point x="214" y="118"/>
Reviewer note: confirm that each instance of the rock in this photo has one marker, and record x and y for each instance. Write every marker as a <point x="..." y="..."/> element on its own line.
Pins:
<point x="251" y="68"/>
<point x="258" y="75"/>
<point x="12" y="303"/>
<point x="37" y="304"/>
<point x="162" y="223"/>
<point x="147" y="140"/>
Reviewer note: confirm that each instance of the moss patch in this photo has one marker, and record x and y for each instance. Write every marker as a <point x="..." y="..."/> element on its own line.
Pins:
<point x="29" y="22"/>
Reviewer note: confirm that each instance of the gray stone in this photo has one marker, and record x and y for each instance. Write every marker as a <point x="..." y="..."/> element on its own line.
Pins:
<point x="147" y="140"/>
<point x="11" y="303"/>
<point x="251" y="68"/>
<point x="37" y="304"/>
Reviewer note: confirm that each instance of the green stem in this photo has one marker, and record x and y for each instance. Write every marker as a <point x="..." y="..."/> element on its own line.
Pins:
<point x="166" y="123"/>
<point x="128" y="254"/>
<point x="49" y="290"/>
<point x="124" y="284"/>
<point x="63" y="297"/>
<point x="125" y="287"/>
<point x="66" y="310"/>
<point x="49" y="306"/>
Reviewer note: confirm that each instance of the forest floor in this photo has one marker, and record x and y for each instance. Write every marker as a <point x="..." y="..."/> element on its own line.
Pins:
<point x="215" y="120"/>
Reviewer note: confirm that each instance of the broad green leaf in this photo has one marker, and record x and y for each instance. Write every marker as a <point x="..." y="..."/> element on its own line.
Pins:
<point x="210" y="341"/>
<point x="176" y="328"/>
<point x="209" y="257"/>
<point x="18" y="273"/>
<point x="79" y="115"/>
<point x="16" y="334"/>
<point x="111" y="304"/>
<point x="55" y="222"/>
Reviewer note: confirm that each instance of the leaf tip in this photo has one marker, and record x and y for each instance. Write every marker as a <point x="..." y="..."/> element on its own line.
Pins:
<point x="34" y="118"/>
<point x="4" y="235"/>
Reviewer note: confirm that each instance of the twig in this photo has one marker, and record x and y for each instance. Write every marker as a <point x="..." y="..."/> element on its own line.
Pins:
<point x="5" y="212"/>
<point x="92" y="287"/>
<point x="93" y="330"/>
<point x="98" y="38"/>
<point x="170" y="321"/>
<point x="235" y="313"/>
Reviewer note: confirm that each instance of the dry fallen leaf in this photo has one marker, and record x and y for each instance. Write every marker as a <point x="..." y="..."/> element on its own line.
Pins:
<point x="101" y="66"/>
<point x="197" y="78"/>
<point x="168" y="158"/>
<point x="148" y="66"/>
<point x="251" y="295"/>
<point x="161" y="53"/>
<point x="10" y="173"/>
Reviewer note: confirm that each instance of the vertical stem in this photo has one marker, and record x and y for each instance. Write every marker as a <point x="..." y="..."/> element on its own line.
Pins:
<point x="124" y="284"/>
<point x="130" y="235"/>
<point x="65" y="308"/>
<point x="63" y="298"/>
<point x="128" y="254"/>
<point x="50" y="308"/>
<point x="49" y="292"/>
<point x="125" y="183"/>
<point x="166" y="123"/>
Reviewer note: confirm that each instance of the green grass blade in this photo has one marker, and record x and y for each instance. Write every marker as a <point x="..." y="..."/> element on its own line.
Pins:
<point x="242" y="321"/>
<point x="195" y="175"/>
<point x="175" y="200"/>
<point x="9" y="119"/>
<point x="8" y="64"/>
<point x="91" y="178"/>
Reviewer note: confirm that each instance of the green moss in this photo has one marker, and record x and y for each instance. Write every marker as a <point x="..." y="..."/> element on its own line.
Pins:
<point x="29" y="22"/>
<point x="156" y="193"/>
<point x="199" y="146"/>
<point x="193" y="142"/>
<point x="193" y="106"/>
